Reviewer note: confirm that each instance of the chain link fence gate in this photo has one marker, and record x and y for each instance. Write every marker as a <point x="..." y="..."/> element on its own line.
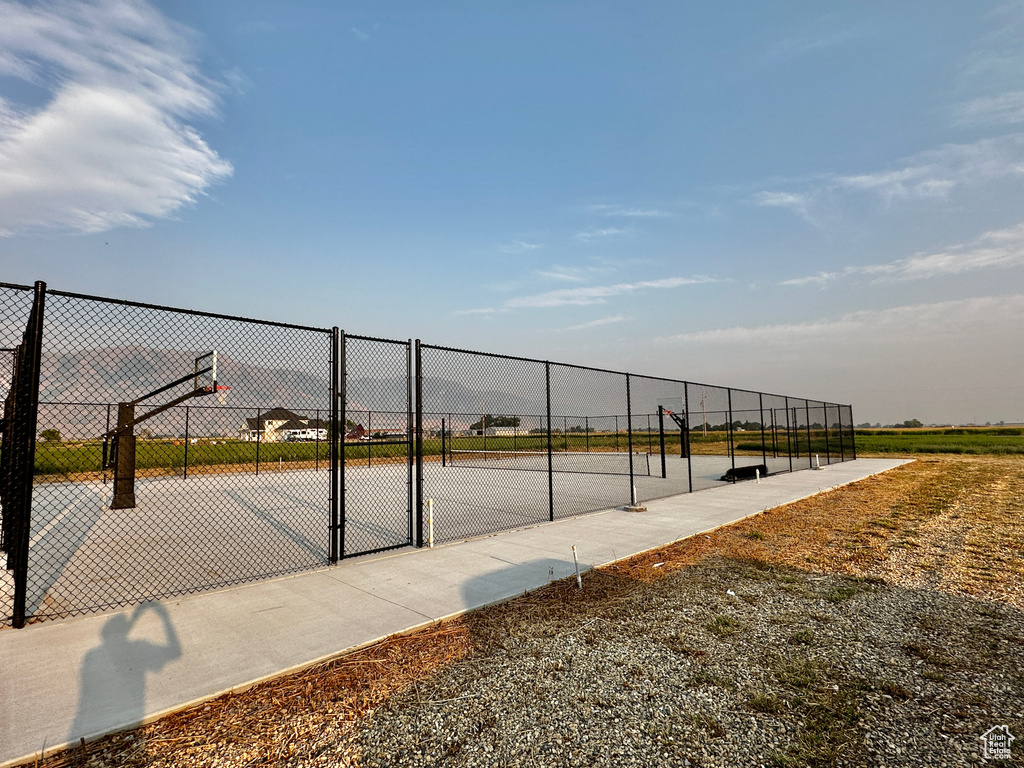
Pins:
<point x="378" y="447"/>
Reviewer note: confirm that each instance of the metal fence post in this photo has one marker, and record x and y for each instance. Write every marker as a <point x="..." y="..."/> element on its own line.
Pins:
<point x="184" y="472"/>
<point x="732" y="450"/>
<point x="444" y="458"/>
<point x="853" y="434"/>
<point x="333" y="474"/>
<point x="684" y="435"/>
<point x="339" y="420"/>
<point x="828" y="452"/>
<point x="661" y="439"/>
<point x="789" y="436"/>
<point x="551" y="471"/>
<point x="629" y="441"/>
<point x="105" y="443"/>
<point x="411" y="452"/>
<point x="764" y="451"/>
<point x="842" y="448"/>
<point x="258" y="431"/>
<point x="419" y="444"/>
<point x="28" y="373"/>
<point x="807" y="413"/>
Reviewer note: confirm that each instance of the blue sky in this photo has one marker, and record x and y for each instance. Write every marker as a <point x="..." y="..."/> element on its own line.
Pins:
<point x="820" y="200"/>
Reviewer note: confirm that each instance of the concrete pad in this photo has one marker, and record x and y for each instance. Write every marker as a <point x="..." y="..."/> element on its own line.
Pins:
<point x="84" y="677"/>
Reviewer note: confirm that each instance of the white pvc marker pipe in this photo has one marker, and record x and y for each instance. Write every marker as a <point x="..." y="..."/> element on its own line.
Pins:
<point x="817" y="462"/>
<point x="576" y="562"/>
<point x="757" y="475"/>
<point x="280" y="464"/>
<point x="632" y="501"/>
<point x="430" y="523"/>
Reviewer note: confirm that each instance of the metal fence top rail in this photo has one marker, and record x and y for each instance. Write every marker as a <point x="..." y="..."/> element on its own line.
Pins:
<point x="194" y="312"/>
<point x="379" y="339"/>
<point x="621" y="373"/>
<point x="17" y="287"/>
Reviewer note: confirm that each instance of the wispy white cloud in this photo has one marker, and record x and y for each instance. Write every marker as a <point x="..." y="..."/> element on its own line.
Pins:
<point x="930" y="175"/>
<point x="112" y="145"/>
<point x="898" y="324"/>
<point x="799" y="203"/>
<point x="997" y="248"/>
<point x="816" y="35"/>
<point x="360" y="33"/>
<point x="518" y="246"/>
<point x="598" y="294"/>
<point x="579" y="274"/>
<point x="595" y="234"/>
<point x="560" y="273"/>
<point x="585" y="295"/>
<point x="632" y="213"/>
<point x="822" y="278"/>
<point x="1004" y="109"/>
<point x="597" y="323"/>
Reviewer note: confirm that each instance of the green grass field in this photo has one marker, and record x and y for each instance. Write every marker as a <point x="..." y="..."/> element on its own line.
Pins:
<point x="984" y="440"/>
<point x="68" y="458"/>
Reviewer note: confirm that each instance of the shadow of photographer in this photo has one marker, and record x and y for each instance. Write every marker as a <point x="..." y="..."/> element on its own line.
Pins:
<point x="112" y="681"/>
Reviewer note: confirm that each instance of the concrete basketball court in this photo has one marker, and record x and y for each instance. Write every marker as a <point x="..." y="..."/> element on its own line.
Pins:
<point x="209" y="531"/>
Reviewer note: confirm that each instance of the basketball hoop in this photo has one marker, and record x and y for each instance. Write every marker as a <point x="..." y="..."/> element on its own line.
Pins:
<point x="221" y="393"/>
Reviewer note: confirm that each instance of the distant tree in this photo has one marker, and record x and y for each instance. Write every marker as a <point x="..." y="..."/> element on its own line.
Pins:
<point x="911" y="424"/>
<point x="495" y="421"/>
<point x="50" y="435"/>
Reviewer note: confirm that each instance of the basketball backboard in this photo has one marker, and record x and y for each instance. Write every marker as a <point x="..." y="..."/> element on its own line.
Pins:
<point x="671" y="404"/>
<point x="206" y="372"/>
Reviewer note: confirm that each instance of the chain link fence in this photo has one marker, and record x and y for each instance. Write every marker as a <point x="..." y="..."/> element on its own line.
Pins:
<point x="166" y="451"/>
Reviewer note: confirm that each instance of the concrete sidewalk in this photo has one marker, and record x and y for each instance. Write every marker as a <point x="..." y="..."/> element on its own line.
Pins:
<point x="83" y="677"/>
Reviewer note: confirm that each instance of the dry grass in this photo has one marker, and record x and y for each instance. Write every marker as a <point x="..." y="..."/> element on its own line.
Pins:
<point x="951" y="524"/>
<point x="948" y="523"/>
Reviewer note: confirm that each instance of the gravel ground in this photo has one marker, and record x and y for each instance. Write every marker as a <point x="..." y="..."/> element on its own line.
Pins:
<point x="790" y="669"/>
<point x="881" y="624"/>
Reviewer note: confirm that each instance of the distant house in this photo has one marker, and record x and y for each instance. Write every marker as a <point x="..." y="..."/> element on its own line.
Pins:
<point x="281" y="425"/>
<point x="501" y="431"/>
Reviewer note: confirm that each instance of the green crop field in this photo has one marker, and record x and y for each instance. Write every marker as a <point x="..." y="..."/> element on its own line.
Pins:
<point x="994" y="440"/>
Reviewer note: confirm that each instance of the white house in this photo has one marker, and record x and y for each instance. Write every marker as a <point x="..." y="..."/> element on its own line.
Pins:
<point x="281" y="425"/>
